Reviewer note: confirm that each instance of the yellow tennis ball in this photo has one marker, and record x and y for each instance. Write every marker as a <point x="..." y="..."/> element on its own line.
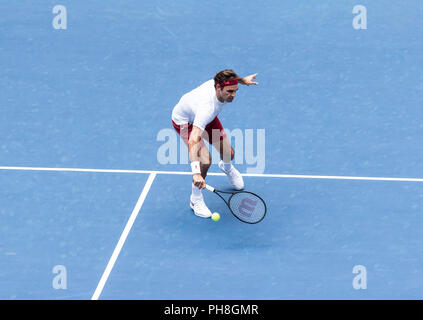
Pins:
<point x="215" y="216"/>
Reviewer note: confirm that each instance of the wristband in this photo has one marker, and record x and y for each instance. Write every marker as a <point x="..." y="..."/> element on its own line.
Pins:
<point x="195" y="167"/>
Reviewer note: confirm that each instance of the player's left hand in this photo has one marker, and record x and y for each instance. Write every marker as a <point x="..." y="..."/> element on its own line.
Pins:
<point x="248" y="80"/>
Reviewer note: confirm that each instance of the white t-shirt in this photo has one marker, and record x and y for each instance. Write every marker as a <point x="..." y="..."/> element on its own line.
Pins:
<point x="199" y="106"/>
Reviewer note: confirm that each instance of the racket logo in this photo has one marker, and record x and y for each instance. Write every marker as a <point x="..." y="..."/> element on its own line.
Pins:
<point x="247" y="207"/>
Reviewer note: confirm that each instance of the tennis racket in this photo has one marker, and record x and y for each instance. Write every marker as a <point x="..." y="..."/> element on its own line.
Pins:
<point x="244" y="205"/>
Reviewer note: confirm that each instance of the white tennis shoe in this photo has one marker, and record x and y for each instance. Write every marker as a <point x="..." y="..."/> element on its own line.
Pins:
<point x="235" y="178"/>
<point x="200" y="208"/>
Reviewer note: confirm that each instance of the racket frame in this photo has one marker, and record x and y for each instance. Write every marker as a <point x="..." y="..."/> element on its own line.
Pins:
<point x="232" y="193"/>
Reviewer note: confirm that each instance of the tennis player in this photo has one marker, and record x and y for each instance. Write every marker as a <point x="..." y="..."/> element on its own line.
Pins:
<point x="195" y="119"/>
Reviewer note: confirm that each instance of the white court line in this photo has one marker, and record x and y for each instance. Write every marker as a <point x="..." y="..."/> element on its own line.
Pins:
<point x="264" y="175"/>
<point x="123" y="237"/>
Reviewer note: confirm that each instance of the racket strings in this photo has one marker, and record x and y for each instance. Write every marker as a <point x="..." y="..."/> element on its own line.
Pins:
<point x="247" y="206"/>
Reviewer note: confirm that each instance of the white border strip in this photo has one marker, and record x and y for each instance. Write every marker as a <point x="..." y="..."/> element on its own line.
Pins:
<point x="123" y="237"/>
<point x="294" y="176"/>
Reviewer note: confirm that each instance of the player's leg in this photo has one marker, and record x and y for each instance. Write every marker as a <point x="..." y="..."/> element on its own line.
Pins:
<point x="227" y="155"/>
<point x="196" y="200"/>
<point x="197" y="203"/>
<point x="225" y="149"/>
<point x="217" y="137"/>
<point x="205" y="160"/>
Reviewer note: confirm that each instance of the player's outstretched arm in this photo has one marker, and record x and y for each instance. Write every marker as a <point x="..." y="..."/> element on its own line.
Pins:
<point x="193" y="153"/>
<point x="194" y="144"/>
<point x="249" y="80"/>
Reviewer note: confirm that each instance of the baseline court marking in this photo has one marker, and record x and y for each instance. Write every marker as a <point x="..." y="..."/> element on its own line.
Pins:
<point x="261" y="175"/>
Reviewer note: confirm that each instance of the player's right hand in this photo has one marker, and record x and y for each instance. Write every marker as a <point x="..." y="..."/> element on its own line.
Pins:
<point x="198" y="181"/>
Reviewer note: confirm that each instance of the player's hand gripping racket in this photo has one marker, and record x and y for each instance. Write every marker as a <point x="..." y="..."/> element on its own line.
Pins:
<point x="244" y="205"/>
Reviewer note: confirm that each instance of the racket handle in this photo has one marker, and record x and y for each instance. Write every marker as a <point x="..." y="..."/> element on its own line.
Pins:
<point x="210" y="188"/>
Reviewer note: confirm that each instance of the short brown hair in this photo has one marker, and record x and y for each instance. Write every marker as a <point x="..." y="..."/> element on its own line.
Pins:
<point x="225" y="75"/>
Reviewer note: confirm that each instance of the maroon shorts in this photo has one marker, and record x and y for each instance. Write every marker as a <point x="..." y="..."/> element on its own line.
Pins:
<point x="214" y="130"/>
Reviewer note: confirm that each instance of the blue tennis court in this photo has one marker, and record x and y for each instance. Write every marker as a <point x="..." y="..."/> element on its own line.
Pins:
<point x="93" y="208"/>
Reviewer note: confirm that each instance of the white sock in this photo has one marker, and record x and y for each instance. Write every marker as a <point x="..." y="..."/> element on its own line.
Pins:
<point x="227" y="166"/>
<point x="196" y="192"/>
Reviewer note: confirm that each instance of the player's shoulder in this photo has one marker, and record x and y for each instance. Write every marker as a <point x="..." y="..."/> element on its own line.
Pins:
<point x="206" y="85"/>
<point x="202" y="91"/>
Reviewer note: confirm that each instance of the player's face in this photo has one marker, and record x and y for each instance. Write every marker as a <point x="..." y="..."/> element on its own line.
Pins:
<point x="228" y="93"/>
